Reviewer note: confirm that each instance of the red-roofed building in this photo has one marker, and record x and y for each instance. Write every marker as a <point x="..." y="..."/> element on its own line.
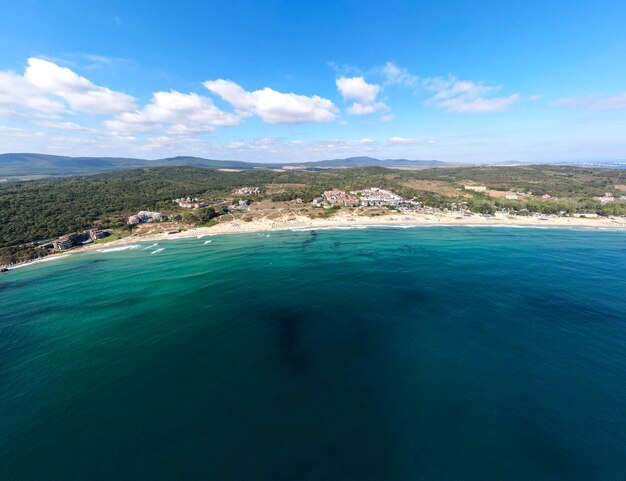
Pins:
<point x="340" y="197"/>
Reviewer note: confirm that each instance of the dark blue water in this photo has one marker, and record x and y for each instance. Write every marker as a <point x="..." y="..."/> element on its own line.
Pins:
<point x="379" y="354"/>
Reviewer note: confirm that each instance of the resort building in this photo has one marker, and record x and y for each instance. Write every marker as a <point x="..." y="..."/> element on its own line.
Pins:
<point x="63" y="243"/>
<point x="376" y="197"/>
<point x="69" y="240"/>
<point x="341" y="198"/>
<point x="145" y="216"/>
<point x="189" y="203"/>
<point x="95" y="234"/>
<point x="248" y="191"/>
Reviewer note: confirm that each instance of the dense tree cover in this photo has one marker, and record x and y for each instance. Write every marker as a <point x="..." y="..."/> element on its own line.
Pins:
<point x="201" y="216"/>
<point x="46" y="208"/>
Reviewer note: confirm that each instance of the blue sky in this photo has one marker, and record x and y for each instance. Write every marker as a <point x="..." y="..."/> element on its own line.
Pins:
<point x="476" y="81"/>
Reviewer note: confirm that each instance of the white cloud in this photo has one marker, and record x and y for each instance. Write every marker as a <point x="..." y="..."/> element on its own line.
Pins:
<point x="402" y="141"/>
<point x="272" y="106"/>
<point x="49" y="91"/>
<point x="264" y="143"/>
<point x="357" y="89"/>
<point x="174" y="144"/>
<point x="395" y="75"/>
<point x="275" y="147"/>
<point x="69" y="126"/>
<point x="362" y="141"/>
<point x="594" y="102"/>
<point x="80" y="93"/>
<point x="19" y="98"/>
<point x="365" y="109"/>
<point x="175" y="112"/>
<point x="479" y="105"/>
<point x="362" y="94"/>
<point x="456" y="95"/>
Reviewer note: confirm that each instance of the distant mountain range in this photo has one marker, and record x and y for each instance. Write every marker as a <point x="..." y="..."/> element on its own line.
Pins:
<point x="26" y="164"/>
<point x="371" y="162"/>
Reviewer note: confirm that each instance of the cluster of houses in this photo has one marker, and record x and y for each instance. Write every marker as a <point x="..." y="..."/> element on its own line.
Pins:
<point x="372" y="197"/>
<point x="339" y="197"/>
<point x="190" y="203"/>
<point x="376" y="197"/>
<point x="248" y="191"/>
<point x="145" y="216"/>
<point x="68" y="241"/>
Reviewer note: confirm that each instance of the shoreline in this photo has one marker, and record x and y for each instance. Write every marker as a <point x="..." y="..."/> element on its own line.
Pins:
<point x="350" y="221"/>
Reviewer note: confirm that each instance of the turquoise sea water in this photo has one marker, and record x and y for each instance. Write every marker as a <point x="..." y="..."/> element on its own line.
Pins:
<point x="447" y="353"/>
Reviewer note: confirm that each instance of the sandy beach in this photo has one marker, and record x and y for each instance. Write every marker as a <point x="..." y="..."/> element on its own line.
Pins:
<point x="340" y="221"/>
<point x="350" y="221"/>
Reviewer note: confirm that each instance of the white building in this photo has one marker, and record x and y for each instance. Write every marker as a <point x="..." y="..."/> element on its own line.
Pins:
<point x="145" y="216"/>
<point x="190" y="203"/>
<point x="249" y="191"/>
<point x="379" y="197"/>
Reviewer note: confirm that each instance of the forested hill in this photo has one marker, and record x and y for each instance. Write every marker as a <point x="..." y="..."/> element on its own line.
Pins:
<point x="25" y="164"/>
<point x="22" y="165"/>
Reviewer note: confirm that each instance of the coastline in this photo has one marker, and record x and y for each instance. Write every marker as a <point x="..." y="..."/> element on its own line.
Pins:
<point x="351" y="221"/>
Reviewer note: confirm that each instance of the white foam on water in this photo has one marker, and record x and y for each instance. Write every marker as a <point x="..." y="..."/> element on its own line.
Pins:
<point x="150" y="247"/>
<point x="397" y="226"/>
<point x="120" y="248"/>
<point x="157" y="251"/>
<point x="207" y="242"/>
<point x="337" y="227"/>
<point x="38" y="261"/>
<point x="494" y="225"/>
